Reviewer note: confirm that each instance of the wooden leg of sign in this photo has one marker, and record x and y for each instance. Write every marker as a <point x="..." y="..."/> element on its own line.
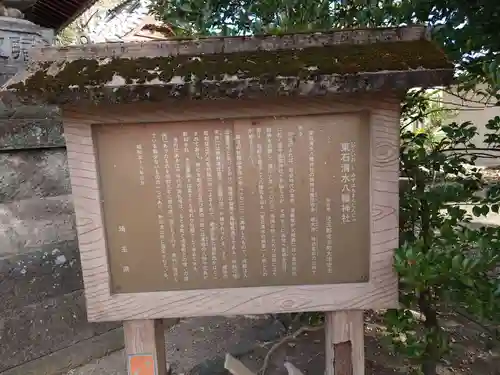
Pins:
<point x="145" y="347"/>
<point x="345" y="349"/>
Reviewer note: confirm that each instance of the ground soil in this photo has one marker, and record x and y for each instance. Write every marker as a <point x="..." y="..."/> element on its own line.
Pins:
<point x="473" y="353"/>
<point x="198" y="347"/>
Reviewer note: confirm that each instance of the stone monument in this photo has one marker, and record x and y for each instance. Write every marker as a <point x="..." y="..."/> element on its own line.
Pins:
<point x="43" y="325"/>
<point x="17" y="36"/>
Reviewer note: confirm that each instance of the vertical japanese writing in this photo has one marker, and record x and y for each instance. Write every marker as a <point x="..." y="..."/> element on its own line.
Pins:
<point x="201" y="207"/>
<point x="271" y="200"/>
<point x="241" y="205"/>
<point x="170" y="208"/>
<point x="180" y="206"/>
<point x="230" y="202"/>
<point x="353" y="181"/>
<point x="220" y="202"/>
<point x="262" y="206"/>
<point x="313" y="205"/>
<point x="210" y="207"/>
<point x="189" y="187"/>
<point x="140" y="159"/>
<point x="281" y="185"/>
<point x="125" y="268"/>
<point x="159" y="204"/>
<point x="345" y="170"/>
<point x="291" y="196"/>
<point x="251" y="137"/>
<point x="329" y="236"/>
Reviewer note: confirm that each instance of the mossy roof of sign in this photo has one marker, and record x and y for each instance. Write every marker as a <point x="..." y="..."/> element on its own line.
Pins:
<point x="305" y="64"/>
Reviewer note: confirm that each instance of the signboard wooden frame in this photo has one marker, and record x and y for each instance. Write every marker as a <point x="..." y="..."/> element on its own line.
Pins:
<point x="381" y="291"/>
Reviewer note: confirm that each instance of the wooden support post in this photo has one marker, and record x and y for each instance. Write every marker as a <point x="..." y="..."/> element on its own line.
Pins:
<point x="145" y="347"/>
<point x="345" y="348"/>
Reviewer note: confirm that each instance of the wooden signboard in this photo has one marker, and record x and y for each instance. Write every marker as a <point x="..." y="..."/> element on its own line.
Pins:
<point x="280" y="196"/>
<point x="290" y="208"/>
<point x="236" y="203"/>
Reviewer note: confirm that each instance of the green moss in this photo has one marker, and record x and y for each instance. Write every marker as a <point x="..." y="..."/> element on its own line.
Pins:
<point x="264" y="65"/>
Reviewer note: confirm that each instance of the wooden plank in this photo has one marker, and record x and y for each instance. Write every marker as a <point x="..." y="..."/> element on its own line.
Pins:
<point x="344" y="340"/>
<point x="167" y="111"/>
<point x="228" y="44"/>
<point x="145" y="347"/>
<point x="379" y="292"/>
<point x="235" y="367"/>
<point x="292" y="370"/>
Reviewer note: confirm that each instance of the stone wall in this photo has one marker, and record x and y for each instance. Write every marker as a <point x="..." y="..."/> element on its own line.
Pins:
<point x="42" y="308"/>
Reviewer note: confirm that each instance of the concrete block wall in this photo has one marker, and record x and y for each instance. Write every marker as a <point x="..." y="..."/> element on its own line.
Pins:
<point x="42" y="308"/>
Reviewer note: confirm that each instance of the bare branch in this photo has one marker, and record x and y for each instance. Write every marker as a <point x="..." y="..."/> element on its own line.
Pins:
<point x="284" y="340"/>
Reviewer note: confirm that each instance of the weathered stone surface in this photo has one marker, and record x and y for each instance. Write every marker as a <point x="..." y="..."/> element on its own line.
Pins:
<point x="290" y="64"/>
<point x="40" y="329"/>
<point x="37" y="173"/>
<point x="181" y="46"/>
<point x="27" y="127"/>
<point x="42" y="305"/>
<point x="268" y="87"/>
<point x="25" y="112"/>
<point x="31" y="278"/>
<point x="19" y="134"/>
<point x="42" y="311"/>
<point x="75" y="355"/>
<point x="18" y="36"/>
<point x="29" y="224"/>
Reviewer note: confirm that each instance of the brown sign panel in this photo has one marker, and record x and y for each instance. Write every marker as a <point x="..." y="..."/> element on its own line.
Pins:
<point x="237" y="203"/>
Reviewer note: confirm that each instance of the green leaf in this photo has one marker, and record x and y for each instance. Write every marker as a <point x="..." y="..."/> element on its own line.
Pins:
<point x="497" y="292"/>
<point x="186" y="7"/>
<point x="456" y="261"/>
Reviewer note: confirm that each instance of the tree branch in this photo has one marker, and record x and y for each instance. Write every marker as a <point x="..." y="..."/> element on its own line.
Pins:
<point x="494" y="333"/>
<point x="284" y="340"/>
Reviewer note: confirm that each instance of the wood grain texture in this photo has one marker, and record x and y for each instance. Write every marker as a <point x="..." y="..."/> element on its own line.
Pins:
<point x="145" y="347"/>
<point x="210" y="45"/>
<point x="343" y="358"/>
<point x="235" y="367"/>
<point x="344" y="343"/>
<point x="379" y="292"/>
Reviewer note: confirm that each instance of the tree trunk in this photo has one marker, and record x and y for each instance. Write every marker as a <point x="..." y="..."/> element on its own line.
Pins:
<point x="432" y="330"/>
